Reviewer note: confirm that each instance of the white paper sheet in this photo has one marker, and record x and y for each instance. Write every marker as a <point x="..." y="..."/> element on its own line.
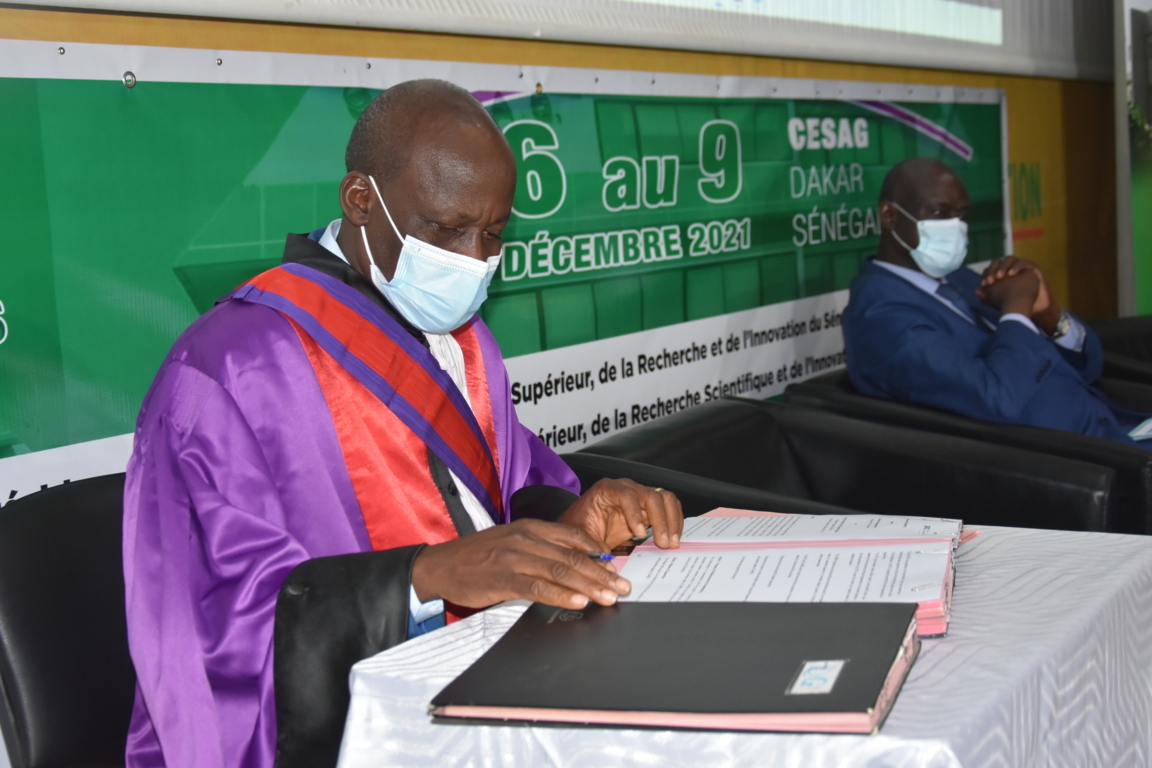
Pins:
<point x="735" y="530"/>
<point x="911" y="572"/>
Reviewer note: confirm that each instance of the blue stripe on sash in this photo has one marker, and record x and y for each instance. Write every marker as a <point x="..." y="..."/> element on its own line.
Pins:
<point x="376" y="383"/>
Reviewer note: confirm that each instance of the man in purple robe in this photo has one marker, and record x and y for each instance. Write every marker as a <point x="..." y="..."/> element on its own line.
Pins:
<point x="329" y="462"/>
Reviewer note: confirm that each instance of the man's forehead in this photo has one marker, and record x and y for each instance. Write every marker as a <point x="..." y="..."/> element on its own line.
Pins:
<point x="458" y="151"/>
<point x="948" y="185"/>
<point x="449" y="128"/>
<point x="456" y="172"/>
<point x="937" y="185"/>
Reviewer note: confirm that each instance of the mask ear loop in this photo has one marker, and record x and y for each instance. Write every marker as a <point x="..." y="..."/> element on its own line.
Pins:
<point x="367" y="248"/>
<point x="364" y="230"/>
<point x="898" y="207"/>
<point x="899" y="239"/>
<point x="379" y="196"/>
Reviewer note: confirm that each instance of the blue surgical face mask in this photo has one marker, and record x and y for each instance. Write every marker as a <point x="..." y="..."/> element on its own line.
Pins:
<point x="943" y="244"/>
<point x="434" y="289"/>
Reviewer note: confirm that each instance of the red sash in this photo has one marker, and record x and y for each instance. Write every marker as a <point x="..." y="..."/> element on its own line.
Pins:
<point x="362" y="358"/>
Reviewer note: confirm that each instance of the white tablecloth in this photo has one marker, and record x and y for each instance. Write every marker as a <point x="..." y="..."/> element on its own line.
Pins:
<point x="1048" y="662"/>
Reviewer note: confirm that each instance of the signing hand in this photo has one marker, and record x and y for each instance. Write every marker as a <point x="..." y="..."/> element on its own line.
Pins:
<point x="614" y="511"/>
<point x="1045" y="312"/>
<point x="529" y="559"/>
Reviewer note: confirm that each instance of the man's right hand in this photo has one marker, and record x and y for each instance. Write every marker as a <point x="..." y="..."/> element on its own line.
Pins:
<point x="530" y="559"/>
<point x="1016" y="293"/>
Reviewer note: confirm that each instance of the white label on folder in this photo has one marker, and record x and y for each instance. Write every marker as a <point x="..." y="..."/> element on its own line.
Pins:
<point x="817" y="677"/>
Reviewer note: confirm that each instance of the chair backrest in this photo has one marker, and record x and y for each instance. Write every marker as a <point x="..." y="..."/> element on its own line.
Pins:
<point x="849" y="464"/>
<point x="898" y="471"/>
<point x="1131" y="502"/>
<point x="697" y="494"/>
<point x="723" y="440"/>
<point x="66" y="676"/>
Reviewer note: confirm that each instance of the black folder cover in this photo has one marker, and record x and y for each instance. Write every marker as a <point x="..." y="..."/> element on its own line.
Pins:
<point x="687" y="657"/>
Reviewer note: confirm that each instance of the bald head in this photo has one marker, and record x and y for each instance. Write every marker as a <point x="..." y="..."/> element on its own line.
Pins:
<point x="426" y="153"/>
<point x="909" y="181"/>
<point x="401" y="121"/>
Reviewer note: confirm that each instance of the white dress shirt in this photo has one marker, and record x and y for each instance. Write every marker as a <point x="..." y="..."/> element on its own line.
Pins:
<point x="1073" y="340"/>
<point x="446" y="350"/>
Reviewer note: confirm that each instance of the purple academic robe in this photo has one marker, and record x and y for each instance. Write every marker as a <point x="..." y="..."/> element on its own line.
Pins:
<point x="236" y="477"/>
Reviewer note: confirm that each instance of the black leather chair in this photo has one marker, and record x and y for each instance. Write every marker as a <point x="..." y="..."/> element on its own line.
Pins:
<point x="333" y="612"/>
<point x="1132" y="388"/>
<point x="1120" y="368"/>
<point x="1131" y="503"/>
<point x="1129" y="337"/>
<point x="1127" y="343"/>
<point x="65" y="674"/>
<point x="822" y="457"/>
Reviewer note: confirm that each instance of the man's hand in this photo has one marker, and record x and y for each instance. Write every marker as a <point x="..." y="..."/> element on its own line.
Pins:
<point x="614" y="511"/>
<point x="530" y="559"/>
<point x="1045" y="312"/>
<point x="1015" y="293"/>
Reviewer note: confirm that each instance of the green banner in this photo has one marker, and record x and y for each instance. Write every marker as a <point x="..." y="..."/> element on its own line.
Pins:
<point x="126" y="212"/>
<point x="636" y="213"/>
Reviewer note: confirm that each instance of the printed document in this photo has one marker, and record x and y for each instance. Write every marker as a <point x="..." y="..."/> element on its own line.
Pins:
<point x="911" y="572"/>
<point x="739" y="530"/>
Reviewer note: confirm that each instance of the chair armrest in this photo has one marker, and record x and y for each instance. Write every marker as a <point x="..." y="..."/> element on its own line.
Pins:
<point x="892" y="470"/>
<point x="1126" y="368"/>
<point x="331" y="613"/>
<point x="1128" y="393"/>
<point x="697" y="494"/>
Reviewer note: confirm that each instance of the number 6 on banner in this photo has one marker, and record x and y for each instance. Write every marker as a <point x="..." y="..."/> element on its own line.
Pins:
<point x="541" y="186"/>
<point x="3" y="324"/>
<point x="720" y="161"/>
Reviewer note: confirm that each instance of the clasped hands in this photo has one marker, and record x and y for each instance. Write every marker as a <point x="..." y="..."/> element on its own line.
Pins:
<point x="1017" y="285"/>
<point x="548" y="562"/>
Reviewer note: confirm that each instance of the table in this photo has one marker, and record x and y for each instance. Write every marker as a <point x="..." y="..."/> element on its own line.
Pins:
<point x="1048" y="662"/>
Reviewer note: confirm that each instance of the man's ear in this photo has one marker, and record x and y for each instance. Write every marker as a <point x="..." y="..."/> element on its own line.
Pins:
<point x="356" y="198"/>
<point x="888" y="215"/>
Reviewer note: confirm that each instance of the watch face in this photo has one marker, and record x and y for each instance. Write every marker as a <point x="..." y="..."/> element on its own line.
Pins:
<point x="1063" y="325"/>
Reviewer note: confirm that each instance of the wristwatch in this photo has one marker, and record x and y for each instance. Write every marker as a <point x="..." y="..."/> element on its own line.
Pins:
<point x="1063" y="325"/>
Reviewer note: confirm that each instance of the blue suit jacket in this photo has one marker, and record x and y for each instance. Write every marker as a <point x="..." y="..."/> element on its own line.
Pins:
<point x="905" y="345"/>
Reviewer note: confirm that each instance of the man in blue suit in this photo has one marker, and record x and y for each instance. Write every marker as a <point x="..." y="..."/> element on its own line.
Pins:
<point x="922" y="328"/>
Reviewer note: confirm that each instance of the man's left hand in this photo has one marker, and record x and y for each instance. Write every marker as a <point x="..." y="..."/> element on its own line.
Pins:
<point x="1045" y="311"/>
<point x="615" y="511"/>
